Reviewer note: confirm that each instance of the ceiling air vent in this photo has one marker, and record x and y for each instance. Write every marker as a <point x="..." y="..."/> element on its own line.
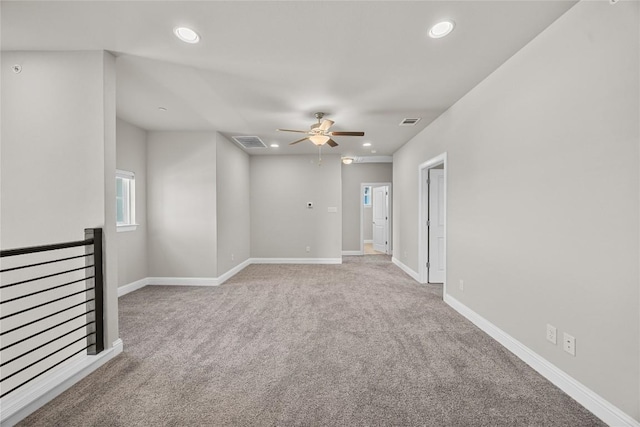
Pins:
<point x="409" y="122"/>
<point x="249" y="141"/>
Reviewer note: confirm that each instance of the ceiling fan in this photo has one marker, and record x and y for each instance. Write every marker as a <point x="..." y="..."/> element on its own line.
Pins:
<point x="319" y="133"/>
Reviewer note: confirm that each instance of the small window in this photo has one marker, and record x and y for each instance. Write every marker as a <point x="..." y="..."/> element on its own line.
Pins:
<point x="367" y="196"/>
<point x="125" y="200"/>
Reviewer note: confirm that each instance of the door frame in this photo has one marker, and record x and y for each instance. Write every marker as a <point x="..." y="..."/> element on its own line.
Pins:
<point x="423" y="215"/>
<point x="375" y="184"/>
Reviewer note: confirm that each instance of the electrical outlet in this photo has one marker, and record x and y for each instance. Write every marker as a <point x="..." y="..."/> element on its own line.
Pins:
<point x="233" y="257"/>
<point x="552" y="334"/>
<point x="461" y="285"/>
<point x="569" y="344"/>
<point x="308" y="249"/>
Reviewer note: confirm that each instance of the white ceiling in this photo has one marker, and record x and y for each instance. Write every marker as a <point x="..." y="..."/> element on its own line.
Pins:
<point x="264" y="65"/>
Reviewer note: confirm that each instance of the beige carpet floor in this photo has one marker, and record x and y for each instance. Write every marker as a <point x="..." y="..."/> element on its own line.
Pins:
<point x="357" y="344"/>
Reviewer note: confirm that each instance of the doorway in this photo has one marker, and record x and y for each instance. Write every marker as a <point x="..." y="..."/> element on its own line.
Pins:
<point x="375" y="218"/>
<point x="432" y="246"/>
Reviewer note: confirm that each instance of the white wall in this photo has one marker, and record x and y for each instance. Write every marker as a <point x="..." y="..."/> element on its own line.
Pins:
<point x="233" y="205"/>
<point x="543" y="196"/>
<point x="131" y="155"/>
<point x="181" y="204"/>
<point x="281" y="224"/>
<point x="58" y="155"/>
<point x="353" y="176"/>
<point x="109" y="205"/>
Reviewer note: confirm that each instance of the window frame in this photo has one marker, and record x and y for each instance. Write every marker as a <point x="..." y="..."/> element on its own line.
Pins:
<point x="367" y="195"/>
<point x="130" y="202"/>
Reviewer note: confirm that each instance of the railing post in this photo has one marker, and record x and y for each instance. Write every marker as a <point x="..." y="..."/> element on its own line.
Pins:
<point x="98" y="286"/>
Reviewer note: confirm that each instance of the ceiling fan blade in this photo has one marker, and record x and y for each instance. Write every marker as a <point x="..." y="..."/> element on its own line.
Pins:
<point x="326" y="124"/>
<point x="346" y="133"/>
<point x="332" y="143"/>
<point x="295" y="142"/>
<point x="291" y="130"/>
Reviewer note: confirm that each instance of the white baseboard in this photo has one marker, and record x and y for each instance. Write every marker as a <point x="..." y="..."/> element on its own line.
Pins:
<point x="183" y="281"/>
<point x="26" y="401"/>
<point x="351" y="253"/>
<point x="133" y="286"/>
<point x="296" y="260"/>
<point x="215" y="281"/>
<point x="600" y="407"/>
<point x="406" y="269"/>
<point x="235" y="270"/>
<point x="368" y="241"/>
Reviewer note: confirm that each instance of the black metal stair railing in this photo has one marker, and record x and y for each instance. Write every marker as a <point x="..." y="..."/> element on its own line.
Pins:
<point x="47" y="319"/>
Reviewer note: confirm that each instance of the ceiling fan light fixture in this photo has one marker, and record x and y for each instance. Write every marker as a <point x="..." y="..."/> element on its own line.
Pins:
<point x="319" y="139"/>
<point x="319" y="133"/>
<point x="187" y="35"/>
<point x="441" y="29"/>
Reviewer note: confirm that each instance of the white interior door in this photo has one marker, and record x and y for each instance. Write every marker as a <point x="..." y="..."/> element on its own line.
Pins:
<point x="436" y="226"/>
<point x="381" y="219"/>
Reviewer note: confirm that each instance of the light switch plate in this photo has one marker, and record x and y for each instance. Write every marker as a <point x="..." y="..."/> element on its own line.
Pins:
<point x="552" y="334"/>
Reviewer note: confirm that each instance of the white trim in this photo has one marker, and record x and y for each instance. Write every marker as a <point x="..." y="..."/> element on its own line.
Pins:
<point x="215" y="281"/>
<point x="126" y="227"/>
<point x="296" y="260"/>
<point x="423" y="170"/>
<point x="362" y="207"/>
<point x="183" y="281"/>
<point x="24" y="402"/>
<point x="406" y="269"/>
<point x="133" y="286"/>
<point x="125" y="174"/>
<point x="235" y="270"/>
<point x="351" y="253"/>
<point x="595" y="403"/>
<point x="373" y="159"/>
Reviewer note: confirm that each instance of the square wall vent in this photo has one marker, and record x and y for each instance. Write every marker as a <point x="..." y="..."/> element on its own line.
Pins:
<point x="249" y="141"/>
<point x="409" y="122"/>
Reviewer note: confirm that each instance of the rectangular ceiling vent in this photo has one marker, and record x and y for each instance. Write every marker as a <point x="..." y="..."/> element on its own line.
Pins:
<point x="409" y="122"/>
<point x="249" y="141"/>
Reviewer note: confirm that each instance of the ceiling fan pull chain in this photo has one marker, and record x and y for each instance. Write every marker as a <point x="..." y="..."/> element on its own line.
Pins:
<point x="319" y="155"/>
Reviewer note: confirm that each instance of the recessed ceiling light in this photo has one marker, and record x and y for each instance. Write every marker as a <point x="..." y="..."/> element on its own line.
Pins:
<point x="441" y="29"/>
<point x="187" y="35"/>
<point x="274" y="146"/>
<point x="366" y="144"/>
